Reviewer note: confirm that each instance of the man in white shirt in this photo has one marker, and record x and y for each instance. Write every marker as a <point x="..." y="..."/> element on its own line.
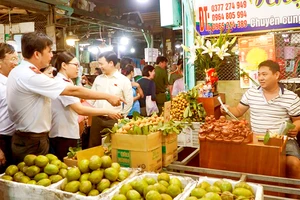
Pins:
<point x="8" y="60"/>
<point x="112" y="82"/>
<point x="28" y="97"/>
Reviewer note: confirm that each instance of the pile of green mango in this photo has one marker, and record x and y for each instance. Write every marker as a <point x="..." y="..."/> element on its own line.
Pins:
<point x="38" y="170"/>
<point x="222" y="190"/>
<point x="94" y="176"/>
<point x="162" y="187"/>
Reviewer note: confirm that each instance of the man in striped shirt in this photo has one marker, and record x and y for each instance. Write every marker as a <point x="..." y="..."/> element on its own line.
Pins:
<point x="270" y="105"/>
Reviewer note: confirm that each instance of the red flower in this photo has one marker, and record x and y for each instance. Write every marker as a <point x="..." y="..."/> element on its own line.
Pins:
<point x="115" y="84"/>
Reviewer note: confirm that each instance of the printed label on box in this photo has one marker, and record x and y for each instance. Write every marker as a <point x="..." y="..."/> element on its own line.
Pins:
<point x="164" y="149"/>
<point x="123" y="157"/>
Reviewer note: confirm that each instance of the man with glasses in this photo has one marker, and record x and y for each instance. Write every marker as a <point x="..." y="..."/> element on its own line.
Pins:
<point x="8" y="60"/>
<point x="28" y="97"/>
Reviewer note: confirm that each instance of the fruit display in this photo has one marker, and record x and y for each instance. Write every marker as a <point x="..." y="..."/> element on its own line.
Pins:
<point x="147" y="125"/>
<point x="37" y="170"/>
<point x="150" y="186"/>
<point x="94" y="176"/>
<point x="225" y="130"/>
<point x="222" y="189"/>
<point x="185" y="107"/>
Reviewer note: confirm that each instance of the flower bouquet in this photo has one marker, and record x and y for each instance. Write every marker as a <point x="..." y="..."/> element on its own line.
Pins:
<point x="208" y="55"/>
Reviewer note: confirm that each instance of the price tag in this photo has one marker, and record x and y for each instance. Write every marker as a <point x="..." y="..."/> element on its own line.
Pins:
<point x="167" y="111"/>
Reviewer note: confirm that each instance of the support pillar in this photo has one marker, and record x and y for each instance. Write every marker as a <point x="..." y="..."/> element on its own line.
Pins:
<point x="188" y="40"/>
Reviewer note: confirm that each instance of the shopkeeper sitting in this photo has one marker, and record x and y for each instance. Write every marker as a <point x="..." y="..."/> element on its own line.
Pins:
<point x="270" y="105"/>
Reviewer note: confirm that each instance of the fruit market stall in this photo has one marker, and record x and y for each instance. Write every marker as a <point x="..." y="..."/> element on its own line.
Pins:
<point x="229" y="145"/>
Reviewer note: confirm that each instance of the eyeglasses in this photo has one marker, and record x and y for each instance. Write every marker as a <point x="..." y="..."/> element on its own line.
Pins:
<point x="13" y="59"/>
<point x="76" y="64"/>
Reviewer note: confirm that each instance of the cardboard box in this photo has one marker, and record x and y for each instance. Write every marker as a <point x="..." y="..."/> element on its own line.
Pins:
<point x="70" y="162"/>
<point x="169" y="149"/>
<point x="84" y="154"/>
<point x="138" y="151"/>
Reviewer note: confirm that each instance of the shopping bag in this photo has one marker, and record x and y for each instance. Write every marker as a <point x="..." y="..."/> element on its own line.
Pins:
<point x="151" y="106"/>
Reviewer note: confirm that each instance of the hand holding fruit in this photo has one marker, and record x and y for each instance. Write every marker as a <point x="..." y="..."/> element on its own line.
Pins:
<point x="114" y="115"/>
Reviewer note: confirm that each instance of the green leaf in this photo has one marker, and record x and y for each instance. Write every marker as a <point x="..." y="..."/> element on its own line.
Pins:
<point x="195" y="106"/>
<point x="106" y="130"/>
<point x="175" y="130"/>
<point x="190" y="113"/>
<point x="186" y="112"/>
<point x="135" y="115"/>
<point x="107" y="139"/>
<point x="114" y="129"/>
<point x="70" y="155"/>
<point x="145" y="130"/>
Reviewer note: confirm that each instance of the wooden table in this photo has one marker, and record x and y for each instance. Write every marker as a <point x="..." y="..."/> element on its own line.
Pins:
<point x="255" y="157"/>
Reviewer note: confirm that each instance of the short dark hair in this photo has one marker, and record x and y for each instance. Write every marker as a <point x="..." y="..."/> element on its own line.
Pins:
<point x="160" y="59"/>
<point x="274" y="66"/>
<point x="127" y="69"/>
<point x="109" y="56"/>
<point x="125" y="61"/>
<point x="6" y="48"/>
<point x="61" y="57"/>
<point x="34" y="41"/>
<point x="180" y="63"/>
<point x="147" y="69"/>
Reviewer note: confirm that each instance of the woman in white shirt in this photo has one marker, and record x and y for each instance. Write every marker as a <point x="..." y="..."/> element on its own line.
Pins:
<point x="64" y="131"/>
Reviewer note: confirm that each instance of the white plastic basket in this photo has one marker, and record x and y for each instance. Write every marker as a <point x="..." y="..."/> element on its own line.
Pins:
<point x="257" y="188"/>
<point x="186" y="181"/>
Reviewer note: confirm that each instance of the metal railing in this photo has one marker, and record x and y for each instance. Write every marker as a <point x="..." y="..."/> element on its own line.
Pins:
<point x="178" y="169"/>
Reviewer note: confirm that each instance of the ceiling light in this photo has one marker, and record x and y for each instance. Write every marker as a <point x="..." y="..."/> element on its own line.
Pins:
<point x="71" y="39"/>
<point x="93" y="49"/>
<point x="124" y="40"/>
<point x="132" y="50"/>
<point x="142" y="1"/>
<point x="177" y="46"/>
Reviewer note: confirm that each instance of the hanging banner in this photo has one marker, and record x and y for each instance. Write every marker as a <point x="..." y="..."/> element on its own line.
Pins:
<point x="254" y="50"/>
<point x="245" y="16"/>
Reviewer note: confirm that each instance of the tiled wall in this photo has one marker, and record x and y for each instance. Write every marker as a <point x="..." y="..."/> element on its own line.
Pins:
<point x="233" y="93"/>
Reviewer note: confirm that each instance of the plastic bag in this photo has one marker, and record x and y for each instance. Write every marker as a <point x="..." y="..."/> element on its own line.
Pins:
<point x="151" y="106"/>
<point x="285" y="127"/>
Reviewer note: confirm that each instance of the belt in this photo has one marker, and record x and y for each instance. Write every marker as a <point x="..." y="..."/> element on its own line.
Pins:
<point x="31" y="134"/>
<point x="4" y="136"/>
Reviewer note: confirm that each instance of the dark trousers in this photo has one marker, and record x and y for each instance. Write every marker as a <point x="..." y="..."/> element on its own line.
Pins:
<point x="24" y="143"/>
<point x="160" y="101"/>
<point x="5" y="146"/>
<point x="60" y="146"/>
<point x="98" y="124"/>
<point x="143" y="112"/>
